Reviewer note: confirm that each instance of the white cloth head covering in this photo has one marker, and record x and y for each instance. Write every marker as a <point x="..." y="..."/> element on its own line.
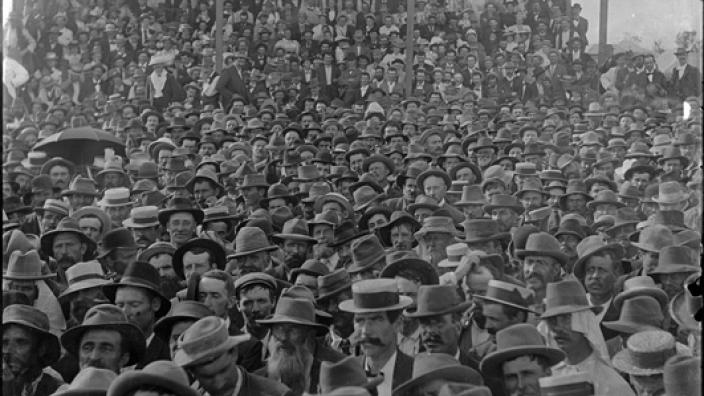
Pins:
<point x="583" y="322"/>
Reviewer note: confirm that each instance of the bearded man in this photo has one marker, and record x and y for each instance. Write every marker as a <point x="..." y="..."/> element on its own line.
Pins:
<point x="433" y="238"/>
<point x="294" y="355"/>
<point x="295" y="242"/>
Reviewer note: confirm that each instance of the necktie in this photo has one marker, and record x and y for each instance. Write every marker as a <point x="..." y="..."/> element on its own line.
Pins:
<point x="345" y="346"/>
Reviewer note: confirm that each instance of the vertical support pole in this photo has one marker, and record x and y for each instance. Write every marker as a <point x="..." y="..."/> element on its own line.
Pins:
<point x="219" y="10"/>
<point x="410" y="22"/>
<point x="603" y="23"/>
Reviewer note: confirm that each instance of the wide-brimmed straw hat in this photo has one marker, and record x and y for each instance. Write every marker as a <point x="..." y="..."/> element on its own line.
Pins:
<point x="375" y="295"/>
<point x="646" y="353"/>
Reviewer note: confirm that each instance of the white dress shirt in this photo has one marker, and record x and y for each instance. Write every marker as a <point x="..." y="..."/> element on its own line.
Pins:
<point x="384" y="388"/>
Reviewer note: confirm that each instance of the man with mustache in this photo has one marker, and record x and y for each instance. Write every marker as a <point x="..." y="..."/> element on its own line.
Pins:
<point x="51" y="214"/>
<point x="205" y="187"/>
<point x="377" y="308"/>
<point x="433" y="238"/>
<point x="598" y="267"/>
<point x="504" y="304"/>
<point x="139" y="296"/>
<point x="569" y="323"/>
<point x="198" y="256"/>
<point x="255" y="297"/>
<point x="105" y="339"/>
<point x="144" y="225"/>
<point x="117" y="250"/>
<point x="60" y="171"/>
<point x="569" y="234"/>
<point x="294" y="354"/>
<point x="27" y="348"/>
<point x="439" y="311"/>
<point x="543" y="263"/>
<point x="85" y="281"/>
<point x="343" y="236"/>
<point x="68" y="245"/>
<point x="252" y="254"/>
<point x="295" y="242"/>
<point x="332" y="290"/>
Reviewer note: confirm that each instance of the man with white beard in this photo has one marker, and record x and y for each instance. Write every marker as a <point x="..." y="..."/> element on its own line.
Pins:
<point x="433" y="238"/>
<point x="294" y="357"/>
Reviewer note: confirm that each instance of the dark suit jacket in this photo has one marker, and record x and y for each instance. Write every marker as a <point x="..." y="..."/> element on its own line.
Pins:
<point x="612" y="314"/>
<point x="47" y="385"/>
<point x="158" y="349"/>
<point x="253" y="384"/>
<point x="403" y="370"/>
<point x="689" y="85"/>
<point x="231" y="83"/>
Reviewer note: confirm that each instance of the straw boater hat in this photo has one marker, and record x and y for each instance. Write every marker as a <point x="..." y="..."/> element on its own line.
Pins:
<point x="114" y="197"/>
<point x="646" y="353"/>
<point x="375" y="295"/>
<point x="682" y="376"/>
<point x="107" y="317"/>
<point x="518" y="340"/>
<point x="205" y="339"/>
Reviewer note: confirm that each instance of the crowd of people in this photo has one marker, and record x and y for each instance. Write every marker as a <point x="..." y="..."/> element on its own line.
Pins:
<point x="525" y="220"/>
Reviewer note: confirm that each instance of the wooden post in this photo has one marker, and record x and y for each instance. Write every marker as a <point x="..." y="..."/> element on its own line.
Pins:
<point x="603" y="23"/>
<point x="568" y="8"/>
<point x="410" y="22"/>
<point x="218" y="35"/>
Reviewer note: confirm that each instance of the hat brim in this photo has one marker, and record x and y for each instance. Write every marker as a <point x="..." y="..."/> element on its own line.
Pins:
<point x="134" y="337"/>
<point x="285" y="319"/>
<point x="294" y="237"/>
<point x="322" y="297"/>
<point x="428" y="274"/>
<point x="11" y="276"/>
<point x="455" y="373"/>
<point x="502" y="302"/>
<point x="183" y="359"/>
<point x="216" y="252"/>
<point x="164" y="214"/>
<point x="564" y="309"/>
<point x="349" y="306"/>
<point x="455" y="308"/>
<point x="628" y="327"/>
<point x="679" y="312"/>
<point x="658" y="294"/>
<point x="81" y="285"/>
<point x="581" y="261"/>
<point x="623" y="363"/>
<point x="241" y="254"/>
<point x="130" y="381"/>
<point x="559" y="256"/>
<point x="491" y="364"/>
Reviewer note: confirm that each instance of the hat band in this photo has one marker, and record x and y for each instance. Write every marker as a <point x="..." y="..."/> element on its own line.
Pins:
<point x="145" y="220"/>
<point x="333" y="286"/>
<point x="511" y="297"/>
<point x="375" y="300"/>
<point x="118" y="201"/>
<point x="651" y="360"/>
<point x="85" y="277"/>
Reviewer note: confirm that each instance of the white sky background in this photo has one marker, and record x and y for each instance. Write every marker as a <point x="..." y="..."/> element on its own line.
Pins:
<point x="650" y="19"/>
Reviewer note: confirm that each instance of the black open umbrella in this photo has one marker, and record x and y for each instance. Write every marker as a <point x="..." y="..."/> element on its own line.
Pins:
<point x="80" y="145"/>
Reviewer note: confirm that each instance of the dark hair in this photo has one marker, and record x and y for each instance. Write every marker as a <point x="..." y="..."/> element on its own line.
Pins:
<point x="542" y="361"/>
<point x="513" y="312"/>
<point x="272" y="292"/>
<point x="222" y="276"/>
